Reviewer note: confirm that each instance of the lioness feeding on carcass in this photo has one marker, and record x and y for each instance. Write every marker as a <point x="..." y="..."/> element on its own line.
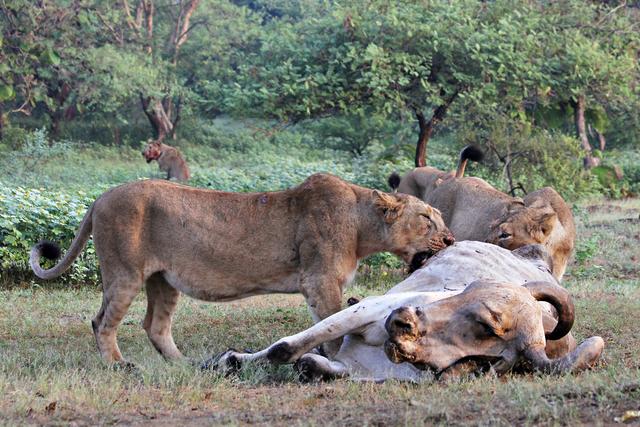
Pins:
<point x="473" y="307"/>
<point x="474" y="210"/>
<point x="220" y="246"/>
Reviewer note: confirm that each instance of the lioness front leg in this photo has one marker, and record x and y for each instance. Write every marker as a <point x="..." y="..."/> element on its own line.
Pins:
<point x="326" y="268"/>
<point x="324" y="298"/>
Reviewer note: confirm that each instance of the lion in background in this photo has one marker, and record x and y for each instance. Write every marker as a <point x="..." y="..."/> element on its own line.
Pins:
<point x="169" y="160"/>
<point x="220" y="246"/>
<point x="423" y="180"/>
<point x="475" y="210"/>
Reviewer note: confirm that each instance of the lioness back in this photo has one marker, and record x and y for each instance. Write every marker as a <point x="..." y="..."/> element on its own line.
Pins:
<point x="468" y="206"/>
<point x="168" y="223"/>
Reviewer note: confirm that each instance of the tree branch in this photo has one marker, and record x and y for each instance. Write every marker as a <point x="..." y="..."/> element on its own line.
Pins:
<point x="181" y="30"/>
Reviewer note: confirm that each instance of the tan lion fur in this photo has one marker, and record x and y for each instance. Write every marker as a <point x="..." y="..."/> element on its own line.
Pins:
<point x="169" y="160"/>
<point x="474" y="210"/>
<point x="423" y="180"/>
<point x="219" y="246"/>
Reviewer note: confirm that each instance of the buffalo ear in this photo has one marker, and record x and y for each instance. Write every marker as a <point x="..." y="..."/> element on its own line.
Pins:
<point x="389" y="206"/>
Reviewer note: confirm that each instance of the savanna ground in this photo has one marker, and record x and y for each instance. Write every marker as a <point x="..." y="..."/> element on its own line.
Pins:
<point x="50" y="371"/>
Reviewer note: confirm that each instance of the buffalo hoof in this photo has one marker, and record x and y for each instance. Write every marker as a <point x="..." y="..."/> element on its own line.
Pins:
<point x="226" y="363"/>
<point x="126" y="367"/>
<point x="309" y="371"/>
<point x="280" y="353"/>
<point x="352" y="301"/>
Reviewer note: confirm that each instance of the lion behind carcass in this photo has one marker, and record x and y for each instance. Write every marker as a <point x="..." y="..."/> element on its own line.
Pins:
<point x="474" y="210"/>
<point x="219" y="246"/>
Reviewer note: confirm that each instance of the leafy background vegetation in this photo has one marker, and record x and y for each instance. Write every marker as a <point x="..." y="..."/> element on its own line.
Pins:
<point x="260" y="94"/>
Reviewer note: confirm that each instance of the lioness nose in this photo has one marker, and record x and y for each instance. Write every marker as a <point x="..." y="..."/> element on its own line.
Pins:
<point x="449" y="239"/>
<point x="401" y="321"/>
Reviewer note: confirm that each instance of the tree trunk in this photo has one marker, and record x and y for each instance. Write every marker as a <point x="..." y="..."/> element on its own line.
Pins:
<point x="423" y="140"/>
<point x="117" y="139"/>
<point x="163" y="114"/>
<point x="426" y="129"/>
<point x="60" y="93"/>
<point x="54" y="129"/>
<point x="602" y="142"/>
<point x="159" y="113"/>
<point x="599" y="137"/>
<point x="581" y="130"/>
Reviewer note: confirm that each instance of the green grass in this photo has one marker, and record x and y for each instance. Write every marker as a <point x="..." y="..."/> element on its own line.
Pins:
<point x="50" y="371"/>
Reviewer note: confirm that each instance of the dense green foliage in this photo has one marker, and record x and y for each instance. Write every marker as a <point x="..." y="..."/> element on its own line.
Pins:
<point x="121" y="64"/>
<point x="30" y="215"/>
<point x="260" y="94"/>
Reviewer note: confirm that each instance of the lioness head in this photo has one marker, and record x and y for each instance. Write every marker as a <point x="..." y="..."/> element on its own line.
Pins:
<point x="415" y="230"/>
<point x="152" y="151"/>
<point x="523" y="225"/>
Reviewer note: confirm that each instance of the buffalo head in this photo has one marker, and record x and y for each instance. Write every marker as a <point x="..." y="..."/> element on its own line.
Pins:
<point x="488" y="326"/>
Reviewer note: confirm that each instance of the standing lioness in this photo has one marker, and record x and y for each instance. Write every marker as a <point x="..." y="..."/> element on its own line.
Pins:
<point x="219" y="246"/>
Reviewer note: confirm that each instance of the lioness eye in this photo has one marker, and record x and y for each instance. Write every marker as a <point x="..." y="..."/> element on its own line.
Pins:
<point x="504" y="235"/>
<point x="429" y="220"/>
<point x="488" y="330"/>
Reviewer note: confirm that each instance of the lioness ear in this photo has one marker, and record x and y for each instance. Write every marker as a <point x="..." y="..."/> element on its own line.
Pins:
<point x="546" y="221"/>
<point x="389" y="206"/>
<point x="516" y="204"/>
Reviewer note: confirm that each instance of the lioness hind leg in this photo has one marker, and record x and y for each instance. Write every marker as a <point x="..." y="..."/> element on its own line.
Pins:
<point x="162" y="300"/>
<point x="116" y="300"/>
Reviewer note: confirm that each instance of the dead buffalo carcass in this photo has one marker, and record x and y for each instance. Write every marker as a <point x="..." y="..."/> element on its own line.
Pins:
<point x="474" y="307"/>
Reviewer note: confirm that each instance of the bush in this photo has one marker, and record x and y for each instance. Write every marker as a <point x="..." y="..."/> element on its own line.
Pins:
<point x="29" y="215"/>
<point x="35" y="150"/>
<point x="14" y="137"/>
<point x="555" y="160"/>
<point x="354" y="133"/>
<point x="538" y="157"/>
<point x="629" y="162"/>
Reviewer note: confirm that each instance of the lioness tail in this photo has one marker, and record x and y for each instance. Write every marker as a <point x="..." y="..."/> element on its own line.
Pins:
<point x="470" y="152"/>
<point x="51" y="250"/>
<point x="394" y="181"/>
